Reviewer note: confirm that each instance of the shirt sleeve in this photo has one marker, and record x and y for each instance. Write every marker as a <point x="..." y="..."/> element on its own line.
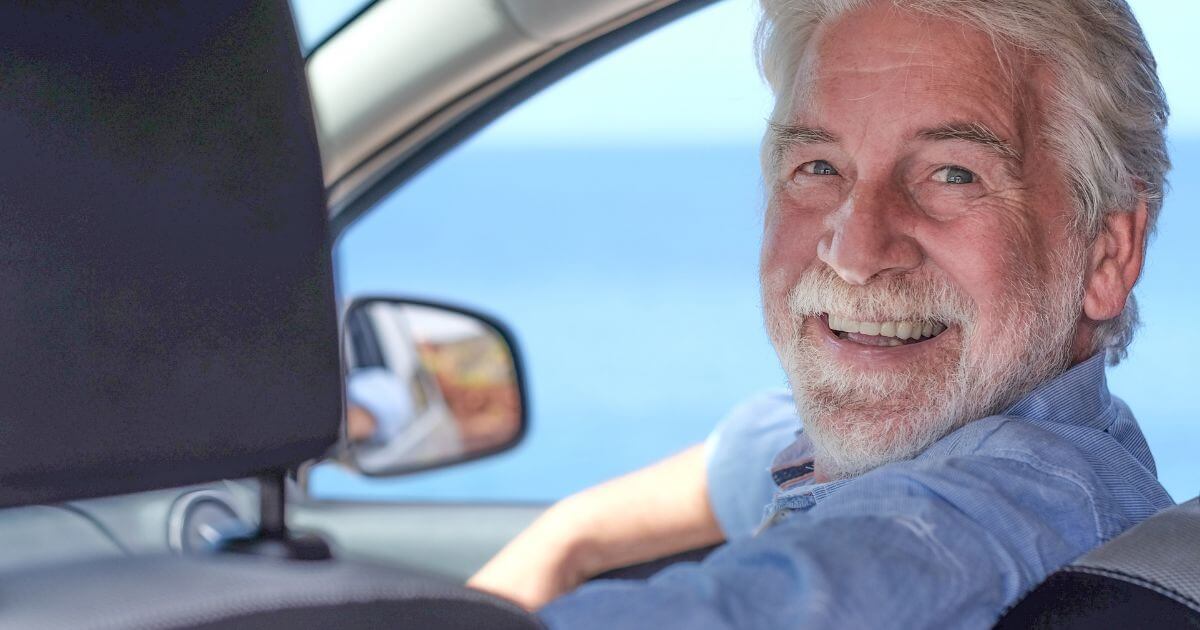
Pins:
<point x="909" y="545"/>
<point x="738" y="457"/>
<point x="381" y="393"/>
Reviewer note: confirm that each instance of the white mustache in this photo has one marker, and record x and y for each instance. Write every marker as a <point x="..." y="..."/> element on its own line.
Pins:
<point x="891" y="298"/>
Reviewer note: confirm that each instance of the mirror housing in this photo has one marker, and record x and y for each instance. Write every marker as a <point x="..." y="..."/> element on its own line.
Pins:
<point x="428" y="385"/>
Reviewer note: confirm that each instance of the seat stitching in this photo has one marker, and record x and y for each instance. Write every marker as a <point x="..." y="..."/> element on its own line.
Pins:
<point x="1138" y="581"/>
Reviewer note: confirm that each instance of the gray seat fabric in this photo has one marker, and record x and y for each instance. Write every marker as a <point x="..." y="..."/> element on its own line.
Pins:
<point x="169" y="314"/>
<point x="1162" y="554"/>
<point x="230" y="591"/>
<point x="1148" y="577"/>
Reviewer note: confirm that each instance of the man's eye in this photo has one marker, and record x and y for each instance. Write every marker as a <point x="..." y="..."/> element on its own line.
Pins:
<point x="954" y="175"/>
<point x="818" y="167"/>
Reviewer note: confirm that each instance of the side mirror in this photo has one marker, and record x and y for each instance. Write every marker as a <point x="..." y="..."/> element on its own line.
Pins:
<point x="427" y="385"/>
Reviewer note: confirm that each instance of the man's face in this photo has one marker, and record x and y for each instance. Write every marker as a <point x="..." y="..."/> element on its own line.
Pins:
<point x="919" y="265"/>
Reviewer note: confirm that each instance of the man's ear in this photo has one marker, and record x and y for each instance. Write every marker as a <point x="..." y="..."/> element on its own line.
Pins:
<point x="1116" y="261"/>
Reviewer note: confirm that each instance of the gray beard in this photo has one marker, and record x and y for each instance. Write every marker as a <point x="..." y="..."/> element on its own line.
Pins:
<point x="857" y="422"/>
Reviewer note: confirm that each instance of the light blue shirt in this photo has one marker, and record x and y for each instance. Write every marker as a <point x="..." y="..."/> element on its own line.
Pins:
<point x="948" y="539"/>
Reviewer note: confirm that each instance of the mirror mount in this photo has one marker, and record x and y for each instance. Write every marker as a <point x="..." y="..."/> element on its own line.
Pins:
<point x="273" y="538"/>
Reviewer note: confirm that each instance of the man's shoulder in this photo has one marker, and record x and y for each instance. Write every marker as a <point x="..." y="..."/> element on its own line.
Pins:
<point x="764" y="407"/>
<point x="739" y="453"/>
<point x="1075" y="447"/>
<point x="1021" y="457"/>
<point x="1007" y="436"/>
<point x="1018" y="486"/>
<point x="1002" y="445"/>
<point x="763" y="423"/>
<point x="996" y="453"/>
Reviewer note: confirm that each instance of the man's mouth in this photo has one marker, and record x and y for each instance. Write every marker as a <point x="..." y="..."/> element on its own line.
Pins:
<point x="884" y="334"/>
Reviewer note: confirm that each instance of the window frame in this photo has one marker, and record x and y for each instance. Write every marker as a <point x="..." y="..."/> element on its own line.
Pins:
<point x="432" y="138"/>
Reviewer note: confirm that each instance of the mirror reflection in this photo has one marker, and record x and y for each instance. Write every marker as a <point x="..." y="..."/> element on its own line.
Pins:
<point x="426" y="387"/>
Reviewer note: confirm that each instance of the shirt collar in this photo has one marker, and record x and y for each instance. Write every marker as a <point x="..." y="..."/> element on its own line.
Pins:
<point x="1078" y="396"/>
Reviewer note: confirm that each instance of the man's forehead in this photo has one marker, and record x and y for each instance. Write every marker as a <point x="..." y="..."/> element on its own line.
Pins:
<point x="885" y="66"/>
<point x="884" y="33"/>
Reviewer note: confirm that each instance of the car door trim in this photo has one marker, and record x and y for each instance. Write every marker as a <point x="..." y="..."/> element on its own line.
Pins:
<point x="352" y="195"/>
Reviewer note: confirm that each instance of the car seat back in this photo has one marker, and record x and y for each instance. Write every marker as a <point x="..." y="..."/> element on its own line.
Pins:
<point x="168" y="314"/>
<point x="168" y="310"/>
<point x="1148" y="577"/>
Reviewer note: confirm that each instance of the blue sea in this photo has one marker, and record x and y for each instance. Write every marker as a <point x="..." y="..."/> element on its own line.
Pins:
<point x="629" y="277"/>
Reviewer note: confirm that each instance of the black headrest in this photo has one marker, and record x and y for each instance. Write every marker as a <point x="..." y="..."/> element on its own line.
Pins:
<point x="166" y="300"/>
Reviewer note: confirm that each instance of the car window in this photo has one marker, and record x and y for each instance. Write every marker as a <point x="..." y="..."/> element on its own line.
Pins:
<point x="613" y="222"/>
<point x="318" y="19"/>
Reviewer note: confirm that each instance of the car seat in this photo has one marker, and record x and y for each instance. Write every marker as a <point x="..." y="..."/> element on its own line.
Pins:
<point x="1148" y="577"/>
<point x="169" y="313"/>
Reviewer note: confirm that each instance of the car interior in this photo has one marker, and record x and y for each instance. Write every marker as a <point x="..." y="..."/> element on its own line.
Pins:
<point x="176" y="362"/>
<point x="173" y="318"/>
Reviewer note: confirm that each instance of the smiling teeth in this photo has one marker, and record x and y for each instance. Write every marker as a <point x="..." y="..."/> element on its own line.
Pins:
<point x="899" y="330"/>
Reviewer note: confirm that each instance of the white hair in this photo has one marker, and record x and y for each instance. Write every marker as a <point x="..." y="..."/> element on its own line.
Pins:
<point x="1107" y="115"/>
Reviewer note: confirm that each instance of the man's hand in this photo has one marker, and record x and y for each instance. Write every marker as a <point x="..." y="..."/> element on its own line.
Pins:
<point x="654" y="512"/>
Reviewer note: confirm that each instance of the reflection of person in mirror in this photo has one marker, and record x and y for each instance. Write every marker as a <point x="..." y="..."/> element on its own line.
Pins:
<point x="360" y="424"/>
<point x="378" y="408"/>
<point x="389" y="429"/>
<point x="475" y="378"/>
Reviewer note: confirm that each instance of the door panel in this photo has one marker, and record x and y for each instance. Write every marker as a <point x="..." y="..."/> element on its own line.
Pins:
<point x="451" y="540"/>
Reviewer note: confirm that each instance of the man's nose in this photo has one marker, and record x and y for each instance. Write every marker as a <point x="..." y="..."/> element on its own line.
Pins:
<point x="865" y="237"/>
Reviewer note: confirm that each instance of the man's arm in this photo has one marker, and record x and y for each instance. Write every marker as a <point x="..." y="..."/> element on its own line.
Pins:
<point x="918" y="544"/>
<point x="657" y="511"/>
<point x="693" y="499"/>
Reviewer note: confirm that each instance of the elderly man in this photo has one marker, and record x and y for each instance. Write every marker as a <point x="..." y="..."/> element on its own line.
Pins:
<point x="959" y="197"/>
